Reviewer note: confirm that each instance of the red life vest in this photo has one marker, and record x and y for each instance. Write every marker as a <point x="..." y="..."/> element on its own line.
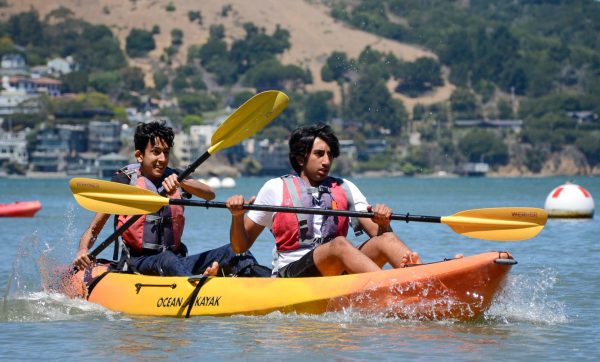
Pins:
<point x="155" y="232"/>
<point x="294" y="231"/>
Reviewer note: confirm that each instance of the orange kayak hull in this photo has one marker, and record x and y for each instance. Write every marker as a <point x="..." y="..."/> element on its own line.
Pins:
<point x="460" y="289"/>
<point x="20" y="209"/>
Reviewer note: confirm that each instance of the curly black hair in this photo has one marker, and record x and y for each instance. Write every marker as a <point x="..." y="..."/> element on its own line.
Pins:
<point x="148" y="132"/>
<point x="302" y="139"/>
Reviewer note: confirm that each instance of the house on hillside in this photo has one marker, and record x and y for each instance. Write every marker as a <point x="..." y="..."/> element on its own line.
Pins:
<point x="56" y="147"/>
<point x="582" y="117"/>
<point x="79" y="149"/>
<point x="61" y="66"/>
<point x="187" y="148"/>
<point x="203" y="133"/>
<point x="108" y="164"/>
<point x="104" y="137"/>
<point x="273" y="157"/>
<point x="40" y="85"/>
<point x="13" y="64"/>
<point x="348" y="148"/>
<point x="18" y="103"/>
<point x="514" y="124"/>
<point x="13" y="148"/>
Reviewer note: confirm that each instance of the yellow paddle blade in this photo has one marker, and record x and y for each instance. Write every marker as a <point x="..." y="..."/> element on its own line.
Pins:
<point x="499" y="224"/>
<point x="248" y="119"/>
<point x="115" y="198"/>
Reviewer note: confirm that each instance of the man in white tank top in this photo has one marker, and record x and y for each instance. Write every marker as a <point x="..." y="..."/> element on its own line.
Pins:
<point x="312" y="151"/>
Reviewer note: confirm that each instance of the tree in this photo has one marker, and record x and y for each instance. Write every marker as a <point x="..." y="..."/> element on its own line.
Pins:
<point x="335" y="69"/>
<point x="317" y="108"/>
<point x="371" y="103"/>
<point x="589" y="144"/>
<point x="133" y="78"/>
<point x="160" y="80"/>
<point x="216" y="31"/>
<point x="420" y="76"/>
<point x="197" y="102"/>
<point x="74" y="82"/>
<point x="105" y="82"/>
<point x="336" y="66"/>
<point x="195" y="15"/>
<point x="258" y="47"/>
<point x="505" y="110"/>
<point x="482" y="145"/>
<point x="240" y="98"/>
<point x="176" y="37"/>
<point x="271" y="74"/>
<point x="191" y="120"/>
<point x="139" y="42"/>
<point x="463" y="102"/>
<point x="26" y="28"/>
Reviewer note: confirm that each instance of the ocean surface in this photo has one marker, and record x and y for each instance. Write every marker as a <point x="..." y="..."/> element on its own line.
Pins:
<point x="549" y="309"/>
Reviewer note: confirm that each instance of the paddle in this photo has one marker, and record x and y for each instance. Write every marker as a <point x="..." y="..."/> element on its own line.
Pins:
<point x="245" y="121"/>
<point x="499" y="224"/>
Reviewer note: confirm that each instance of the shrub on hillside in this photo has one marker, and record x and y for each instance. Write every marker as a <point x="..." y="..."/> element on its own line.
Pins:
<point x="139" y="42"/>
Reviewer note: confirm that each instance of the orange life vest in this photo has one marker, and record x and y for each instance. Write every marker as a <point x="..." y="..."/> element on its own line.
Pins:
<point x="295" y="231"/>
<point x="154" y="232"/>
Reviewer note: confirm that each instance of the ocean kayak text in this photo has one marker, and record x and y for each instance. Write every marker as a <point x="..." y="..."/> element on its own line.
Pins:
<point x="206" y="301"/>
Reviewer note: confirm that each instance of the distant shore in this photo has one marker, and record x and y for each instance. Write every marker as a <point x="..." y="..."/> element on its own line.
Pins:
<point x="369" y="174"/>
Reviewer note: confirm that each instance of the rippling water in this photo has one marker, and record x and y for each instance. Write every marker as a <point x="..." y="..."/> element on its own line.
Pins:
<point x="549" y="308"/>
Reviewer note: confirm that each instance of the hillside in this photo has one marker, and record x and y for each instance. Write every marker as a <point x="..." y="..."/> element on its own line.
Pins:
<point x="314" y="34"/>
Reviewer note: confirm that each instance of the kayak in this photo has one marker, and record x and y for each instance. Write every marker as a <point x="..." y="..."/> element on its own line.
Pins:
<point x="460" y="289"/>
<point x="20" y="209"/>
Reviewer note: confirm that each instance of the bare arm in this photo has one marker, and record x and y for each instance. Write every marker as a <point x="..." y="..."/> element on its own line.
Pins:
<point x="380" y="223"/>
<point x="192" y="186"/>
<point x="82" y="260"/>
<point x="198" y="189"/>
<point x="243" y="231"/>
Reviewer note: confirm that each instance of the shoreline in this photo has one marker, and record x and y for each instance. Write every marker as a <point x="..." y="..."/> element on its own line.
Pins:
<point x="370" y="174"/>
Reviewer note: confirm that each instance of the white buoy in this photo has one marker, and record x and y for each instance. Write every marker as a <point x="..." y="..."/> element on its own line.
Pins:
<point x="214" y="182"/>
<point x="227" y="183"/>
<point x="569" y="201"/>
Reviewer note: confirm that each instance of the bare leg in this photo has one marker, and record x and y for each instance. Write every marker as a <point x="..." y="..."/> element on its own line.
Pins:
<point x="339" y="255"/>
<point x="387" y="248"/>
<point x="411" y="258"/>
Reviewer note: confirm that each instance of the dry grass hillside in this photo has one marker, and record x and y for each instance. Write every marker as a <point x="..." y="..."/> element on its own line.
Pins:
<point x="314" y="34"/>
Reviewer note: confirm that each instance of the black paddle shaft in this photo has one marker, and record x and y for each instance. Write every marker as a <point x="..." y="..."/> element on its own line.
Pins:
<point x="134" y="218"/>
<point x="306" y="210"/>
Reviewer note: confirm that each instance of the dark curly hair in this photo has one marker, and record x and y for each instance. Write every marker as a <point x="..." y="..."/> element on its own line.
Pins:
<point x="302" y="139"/>
<point x="148" y="132"/>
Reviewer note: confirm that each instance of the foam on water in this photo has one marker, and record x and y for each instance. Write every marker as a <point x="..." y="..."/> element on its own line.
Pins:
<point x="43" y="306"/>
<point x="527" y="299"/>
<point x="37" y="271"/>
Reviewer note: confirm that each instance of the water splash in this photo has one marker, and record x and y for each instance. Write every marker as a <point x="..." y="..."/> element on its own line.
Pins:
<point x="45" y="306"/>
<point x="38" y="271"/>
<point x="527" y="299"/>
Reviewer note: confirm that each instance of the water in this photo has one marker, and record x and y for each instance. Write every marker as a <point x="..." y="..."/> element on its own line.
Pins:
<point x="549" y="309"/>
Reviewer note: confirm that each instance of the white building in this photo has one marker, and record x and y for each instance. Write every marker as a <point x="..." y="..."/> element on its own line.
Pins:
<point x="61" y="66"/>
<point x="187" y="148"/>
<point x="203" y="133"/>
<point x="12" y="64"/>
<point x="13" y="148"/>
<point x="34" y="85"/>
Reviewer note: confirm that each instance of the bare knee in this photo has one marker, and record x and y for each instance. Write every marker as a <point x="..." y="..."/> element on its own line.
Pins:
<point x="388" y="238"/>
<point x="340" y="245"/>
